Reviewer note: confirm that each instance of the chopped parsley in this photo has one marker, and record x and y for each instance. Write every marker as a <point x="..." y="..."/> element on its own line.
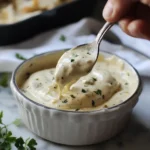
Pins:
<point x="62" y="38"/>
<point x="77" y="109"/>
<point x="19" y="56"/>
<point x="72" y="60"/>
<point x="88" y="53"/>
<point x="126" y="83"/>
<point x="98" y="92"/>
<point x="65" y="101"/>
<point x="72" y="96"/>
<point x="8" y="141"/>
<point x="94" y="79"/>
<point x="128" y="74"/>
<point x="75" y="55"/>
<point x="84" y="91"/>
<point x="93" y="103"/>
<point x="38" y="85"/>
<point x="37" y="78"/>
<point x="105" y="106"/>
<point x="4" y="80"/>
<point x="17" y="122"/>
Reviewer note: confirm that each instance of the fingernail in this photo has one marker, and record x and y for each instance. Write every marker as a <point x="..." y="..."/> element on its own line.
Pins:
<point x="108" y="10"/>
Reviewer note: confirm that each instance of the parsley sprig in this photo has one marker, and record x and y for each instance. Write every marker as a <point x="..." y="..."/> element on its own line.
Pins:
<point x="4" y="80"/>
<point x="62" y="38"/>
<point x="19" y="56"/>
<point x="98" y="92"/>
<point x="7" y="139"/>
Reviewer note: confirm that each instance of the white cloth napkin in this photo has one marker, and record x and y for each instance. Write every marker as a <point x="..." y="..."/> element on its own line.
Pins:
<point x="76" y="34"/>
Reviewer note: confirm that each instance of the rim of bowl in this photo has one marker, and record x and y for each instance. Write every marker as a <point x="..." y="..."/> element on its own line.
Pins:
<point x="138" y="90"/>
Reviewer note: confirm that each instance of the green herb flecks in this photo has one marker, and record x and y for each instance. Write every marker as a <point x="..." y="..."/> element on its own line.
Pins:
<point x="7" y="140"/>
<point x="94" y="79"/>
<point x="62" y="38"/>
<point x="98" y="92"/>
<point x="19" y="56"/>
<point x="77" y="109"/>
<point x="4" y="79"/>
<point x="65" y="101"/>
<point x="17" y="122"/>
<point x="105" y="106"/>
<point x="72" y="60"/>
<point x="28" y="144"/>
<point x="75" y="55"/>
<point x="72" y="96"/>
<point x="84" y="91"/>
<point x="128" y="73"/>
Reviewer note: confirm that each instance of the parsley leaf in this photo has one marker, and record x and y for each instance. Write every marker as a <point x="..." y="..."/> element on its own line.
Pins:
<point x="17" y="122"/>
<point x="4" y="80"/>
<point x="31" y="144"/>
<point x="94" y="79"/>
<point x="1" y="116"/>
<point x="98" y="92"/>
<point x="19" y="143"/>
<point x="65" y="101"/>
<point x="84" y="91"/>
<point x="77" y="109"/>
<point x="88" y="53"/>
<point x="7" y="139"/>
<point x="62" y="38"/>
<point x="72" y="60"/>
<point x="19" y="56"/>
<point x="72" y="96"/>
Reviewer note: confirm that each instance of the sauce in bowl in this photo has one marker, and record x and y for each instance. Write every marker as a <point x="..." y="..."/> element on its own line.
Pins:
<point x="68" y="87"/>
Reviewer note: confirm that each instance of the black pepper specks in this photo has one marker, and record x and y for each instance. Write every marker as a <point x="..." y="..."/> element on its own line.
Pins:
<point x="93" y="103"/>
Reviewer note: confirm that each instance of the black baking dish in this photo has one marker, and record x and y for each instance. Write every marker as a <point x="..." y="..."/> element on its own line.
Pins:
<point x="59" y="16"/>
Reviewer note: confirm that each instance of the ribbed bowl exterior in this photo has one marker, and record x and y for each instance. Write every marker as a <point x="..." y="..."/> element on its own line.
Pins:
<point x="73" y="128"/>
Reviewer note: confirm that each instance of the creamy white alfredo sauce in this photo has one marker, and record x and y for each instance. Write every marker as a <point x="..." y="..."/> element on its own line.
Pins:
<point x="75" y="63"/>
<point x="109" y="83"/>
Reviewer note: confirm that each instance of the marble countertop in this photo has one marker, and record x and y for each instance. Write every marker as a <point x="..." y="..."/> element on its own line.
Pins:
<point x="135" y="137"/>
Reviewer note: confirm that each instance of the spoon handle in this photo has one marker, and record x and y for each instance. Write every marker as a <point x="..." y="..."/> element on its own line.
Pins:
<point x="102" y="32"/>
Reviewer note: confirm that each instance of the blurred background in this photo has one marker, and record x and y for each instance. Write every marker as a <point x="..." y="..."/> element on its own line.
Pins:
<point x="22" y="19"/>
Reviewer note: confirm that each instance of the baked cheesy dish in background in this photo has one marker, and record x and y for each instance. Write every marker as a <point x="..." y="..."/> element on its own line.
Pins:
<point x="12" y="11"/>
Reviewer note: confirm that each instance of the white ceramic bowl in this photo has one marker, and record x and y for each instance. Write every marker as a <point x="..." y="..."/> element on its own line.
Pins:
<point x="66" y="127"/>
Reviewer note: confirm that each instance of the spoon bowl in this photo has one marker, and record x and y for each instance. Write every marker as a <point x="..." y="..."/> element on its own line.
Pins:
<point x="80" y="60"/>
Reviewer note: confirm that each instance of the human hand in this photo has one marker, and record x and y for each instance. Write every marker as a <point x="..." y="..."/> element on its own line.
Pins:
<point x="133" y="16"/>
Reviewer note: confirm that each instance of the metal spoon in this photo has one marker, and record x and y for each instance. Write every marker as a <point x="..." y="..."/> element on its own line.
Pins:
<point x="101" y="34"/>
<point x="80" y="60"/>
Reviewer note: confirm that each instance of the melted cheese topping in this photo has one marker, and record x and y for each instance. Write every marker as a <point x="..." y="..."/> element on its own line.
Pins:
<point x="109" y="83"/>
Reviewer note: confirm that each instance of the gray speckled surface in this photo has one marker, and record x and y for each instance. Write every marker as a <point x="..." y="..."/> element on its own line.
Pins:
<point x="135" y="137"/>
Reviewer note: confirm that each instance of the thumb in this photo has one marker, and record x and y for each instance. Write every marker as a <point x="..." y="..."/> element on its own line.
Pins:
<point x="116" y="9"/>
